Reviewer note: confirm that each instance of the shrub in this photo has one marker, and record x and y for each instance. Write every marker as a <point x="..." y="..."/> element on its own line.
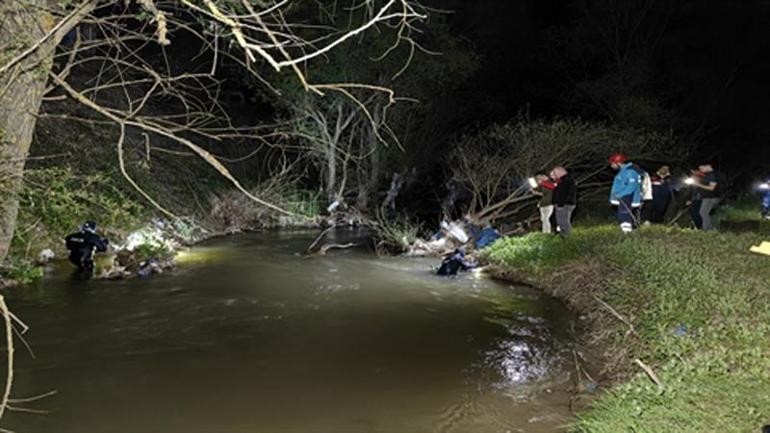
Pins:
<point x="395" y="234"/>
<point x="21" y="272"/>
<point x="233" y="211"/>
<point x="56" y="201"/>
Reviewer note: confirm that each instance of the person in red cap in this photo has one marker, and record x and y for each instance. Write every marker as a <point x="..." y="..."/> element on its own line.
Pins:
<point x="626" y="191"/>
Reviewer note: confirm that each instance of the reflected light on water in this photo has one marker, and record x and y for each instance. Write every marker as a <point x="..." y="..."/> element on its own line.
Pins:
<point x="199" y="255"/>
<point x="517" y="362"/>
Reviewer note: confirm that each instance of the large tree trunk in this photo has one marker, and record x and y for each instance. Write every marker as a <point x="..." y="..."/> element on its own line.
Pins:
<point x="367" y="185"/>
<point x="23" y="24"/>
<point x="331" y="172"/>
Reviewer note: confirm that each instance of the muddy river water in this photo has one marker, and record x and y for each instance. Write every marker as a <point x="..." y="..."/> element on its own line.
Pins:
<point x="249" y="335"/>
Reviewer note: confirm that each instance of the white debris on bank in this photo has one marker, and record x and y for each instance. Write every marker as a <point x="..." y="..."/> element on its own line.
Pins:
<point x="451" y="236"/>
<point x="151" y="249"/>
<point x="45" y="256"/>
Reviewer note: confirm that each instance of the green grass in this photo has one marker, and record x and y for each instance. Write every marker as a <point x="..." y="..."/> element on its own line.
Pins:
<point x="716" y="377"/>
<point x="743" y="215"/>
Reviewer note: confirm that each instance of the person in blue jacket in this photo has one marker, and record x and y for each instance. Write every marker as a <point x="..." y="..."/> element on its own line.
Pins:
<point x="626" y="191"/>
<point x="764" y="192"/>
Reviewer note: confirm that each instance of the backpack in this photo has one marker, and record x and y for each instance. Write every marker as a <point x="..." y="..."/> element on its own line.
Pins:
<point x="646" y="184"/>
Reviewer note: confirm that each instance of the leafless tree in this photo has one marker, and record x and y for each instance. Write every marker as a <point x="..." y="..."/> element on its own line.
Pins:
<point x="494" y="165"/>
<point x="113" y="39"/>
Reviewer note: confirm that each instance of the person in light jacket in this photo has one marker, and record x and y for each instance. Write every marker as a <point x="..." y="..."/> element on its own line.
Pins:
<point x="564" y="199"/>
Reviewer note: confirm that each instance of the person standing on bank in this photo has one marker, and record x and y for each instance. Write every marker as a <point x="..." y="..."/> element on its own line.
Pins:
<point x="626" y="192"/>
<point x="764" y="193"/>
<point x="544" y="189"/>
<point x="709" y="187"/>
<point x="564" y="199"/>
<point x="695" y="198"/>
<point x="662" y="194"/>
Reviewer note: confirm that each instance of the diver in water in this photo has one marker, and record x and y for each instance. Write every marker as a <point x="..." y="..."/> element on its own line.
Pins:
<point x="455" y="262"/>
<point x="82" y="245"/>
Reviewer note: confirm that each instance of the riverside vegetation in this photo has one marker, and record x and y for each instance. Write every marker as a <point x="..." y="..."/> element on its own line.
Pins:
<point x="55" y="200"/>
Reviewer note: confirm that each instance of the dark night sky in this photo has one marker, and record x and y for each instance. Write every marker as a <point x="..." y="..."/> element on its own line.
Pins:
<point x="711" y="66"/>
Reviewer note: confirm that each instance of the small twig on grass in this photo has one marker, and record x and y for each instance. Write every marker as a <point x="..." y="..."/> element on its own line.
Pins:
<point x="585" y="372"/>
<point x="648" y="370"/>
<point x="580" y="370"/>
<point x="577" y="367"/>
<point x="616" y="314"/>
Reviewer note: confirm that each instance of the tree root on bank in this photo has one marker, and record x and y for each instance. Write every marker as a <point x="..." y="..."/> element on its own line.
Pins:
<point x="318" y="239"/>
<point x="324" y="249"/>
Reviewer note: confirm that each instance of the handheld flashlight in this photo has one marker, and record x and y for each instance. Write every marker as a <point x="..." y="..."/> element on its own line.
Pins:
<point x="764" y="186"/>
<point x="689" y="181"/>
<point x="532" y="182"/>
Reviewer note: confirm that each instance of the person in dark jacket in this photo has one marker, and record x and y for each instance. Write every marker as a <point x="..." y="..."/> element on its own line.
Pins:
<point x="662" y="194"/>
<point x="695" y="198"/>
<point x="564" y="199"/>
<point x="709" y="188"/>
<point x="455" y="262"/>
<point x="82" y="245"/>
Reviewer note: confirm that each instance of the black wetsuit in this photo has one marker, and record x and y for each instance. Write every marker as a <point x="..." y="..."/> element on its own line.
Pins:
<point x="453" y="263"/>
<point x="82" y="246"/>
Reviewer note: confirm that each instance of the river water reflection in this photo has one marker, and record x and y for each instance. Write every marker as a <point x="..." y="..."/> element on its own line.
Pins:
<point x="251" y="336"/>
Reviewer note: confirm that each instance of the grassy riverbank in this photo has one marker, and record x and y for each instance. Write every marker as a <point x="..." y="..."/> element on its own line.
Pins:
<point x="692" y="306"/>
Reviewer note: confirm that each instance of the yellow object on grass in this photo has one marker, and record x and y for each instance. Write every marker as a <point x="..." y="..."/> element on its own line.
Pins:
<point x="763" y="248"/>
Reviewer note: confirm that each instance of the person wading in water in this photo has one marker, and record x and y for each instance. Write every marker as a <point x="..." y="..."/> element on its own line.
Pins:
<point x="82" y="245"/>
